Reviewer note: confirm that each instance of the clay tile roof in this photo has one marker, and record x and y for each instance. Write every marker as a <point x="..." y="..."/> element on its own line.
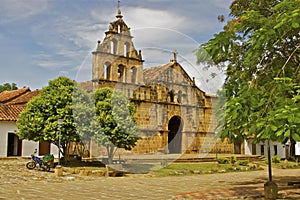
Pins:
<point x="10" y="112"/>
<point x="154" y="72"/>
<point x="7" y="96"/>
<point x="24" y="98"/>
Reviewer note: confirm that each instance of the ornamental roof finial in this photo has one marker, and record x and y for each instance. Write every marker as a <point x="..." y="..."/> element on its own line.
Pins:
<point x="119" y="15"/>
<point x="175" y="55"/>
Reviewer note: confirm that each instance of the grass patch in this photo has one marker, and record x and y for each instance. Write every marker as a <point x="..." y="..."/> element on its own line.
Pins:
<point x="200" y="168"/>
<point x="140" y="168"/>
<point x="282" y="164"/>
<point x="181" y="169"/>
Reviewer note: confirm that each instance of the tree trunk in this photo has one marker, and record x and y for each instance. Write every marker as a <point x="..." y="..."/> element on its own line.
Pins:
<point x="292" y="148"/>
<point x="110" y="154"/>
<point x="63" y="151"/>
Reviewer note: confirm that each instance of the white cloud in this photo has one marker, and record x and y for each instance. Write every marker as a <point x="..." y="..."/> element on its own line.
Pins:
<point x="145" y="17"/>
<point x="13" y="10"/>
<point x="60" y="36"/>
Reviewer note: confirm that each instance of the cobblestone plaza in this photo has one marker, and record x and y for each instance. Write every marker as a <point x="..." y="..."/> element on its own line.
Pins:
<point x="17" y="182"/>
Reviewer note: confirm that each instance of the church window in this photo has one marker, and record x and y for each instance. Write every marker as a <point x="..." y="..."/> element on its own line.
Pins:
<point x="133" y="74"/>
<point x="126" y="49"/>
<point x="106" y="71"/>
<point x="120" y="72"/>
<point x="113" y="46"/>
<point x="171" y="93"/>
<point x="119" y="29"/>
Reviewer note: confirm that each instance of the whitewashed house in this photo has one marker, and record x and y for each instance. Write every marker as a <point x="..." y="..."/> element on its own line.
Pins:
<point x="276" y="148"/>
<point x="12" y="103"/>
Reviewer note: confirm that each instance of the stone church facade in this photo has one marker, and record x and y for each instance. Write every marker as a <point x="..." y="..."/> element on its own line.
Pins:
<point x="173" y="114"/>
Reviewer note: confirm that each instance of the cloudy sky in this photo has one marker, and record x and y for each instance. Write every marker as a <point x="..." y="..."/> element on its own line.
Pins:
<point x="43" y="39"/>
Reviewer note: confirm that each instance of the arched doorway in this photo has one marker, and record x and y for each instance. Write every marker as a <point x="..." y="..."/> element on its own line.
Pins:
<point x="175" y="134"/>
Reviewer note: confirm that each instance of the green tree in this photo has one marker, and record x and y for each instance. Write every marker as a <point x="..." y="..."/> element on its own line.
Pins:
<point x="259" y="52"/>
<point x="8" y="87"/>
<point x="115" y="115"/>
<point x="39" y="121"/>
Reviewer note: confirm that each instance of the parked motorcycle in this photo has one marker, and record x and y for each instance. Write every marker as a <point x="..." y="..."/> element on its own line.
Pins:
<point x="45" y="163"/>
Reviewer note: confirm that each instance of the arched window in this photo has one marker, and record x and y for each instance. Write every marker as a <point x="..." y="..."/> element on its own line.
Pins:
<point x="119" y="28"/>
<point x="106" y="71"/>
<point x="126" y="49"/>
<point x="133" y="71"/>
<point x="121" y="70"/>
<point x="171" y="93"/>
<point x="113" y="46"/>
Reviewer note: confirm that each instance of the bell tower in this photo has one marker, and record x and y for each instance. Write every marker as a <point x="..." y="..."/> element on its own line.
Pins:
<point x="116" y="59"/>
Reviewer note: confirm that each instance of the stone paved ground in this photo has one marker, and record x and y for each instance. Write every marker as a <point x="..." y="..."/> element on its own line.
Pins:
<point x="16" y="182"/>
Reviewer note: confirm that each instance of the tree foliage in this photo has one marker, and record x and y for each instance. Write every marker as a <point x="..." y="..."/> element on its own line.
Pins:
<point x="8" y="87"/>
<point x="39" y="121"/>
<point x="115" y="117"/>
<point x="259" y="50"/>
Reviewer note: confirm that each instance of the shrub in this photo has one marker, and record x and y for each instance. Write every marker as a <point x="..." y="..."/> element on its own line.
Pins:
<point x="222" y="160"/>
<point x="243" y="162"/>
<point x="233" y="160"/>
<point x="275" y="159"/>
<point x="292" y="158"/>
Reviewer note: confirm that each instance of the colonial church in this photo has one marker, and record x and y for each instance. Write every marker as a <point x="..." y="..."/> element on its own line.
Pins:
<point x="173" y="114"/>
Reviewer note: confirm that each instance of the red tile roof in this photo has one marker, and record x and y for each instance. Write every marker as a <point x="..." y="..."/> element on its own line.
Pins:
<point x="25" y="98"/>
<point x="10" y="112"/>
<point x="8" y="96"/>
<point x="12" y="103"/>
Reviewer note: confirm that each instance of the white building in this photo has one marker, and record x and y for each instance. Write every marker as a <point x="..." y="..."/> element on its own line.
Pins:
<point x="12" y="103"/>
<point x="276" y="148"/>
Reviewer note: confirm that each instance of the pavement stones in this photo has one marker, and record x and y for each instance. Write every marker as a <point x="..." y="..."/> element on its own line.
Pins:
<point x="17" y="182"/>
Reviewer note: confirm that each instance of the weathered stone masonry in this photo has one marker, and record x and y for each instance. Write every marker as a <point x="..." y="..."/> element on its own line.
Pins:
<point x="173" y="114"/>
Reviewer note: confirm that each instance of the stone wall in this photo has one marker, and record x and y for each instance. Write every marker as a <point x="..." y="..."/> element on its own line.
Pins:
<point x="173" y="114"/>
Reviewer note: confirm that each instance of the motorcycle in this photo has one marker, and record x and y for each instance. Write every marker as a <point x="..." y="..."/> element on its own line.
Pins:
<point x="45" y="163"/>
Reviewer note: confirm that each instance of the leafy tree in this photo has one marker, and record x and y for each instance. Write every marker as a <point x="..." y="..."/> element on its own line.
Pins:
<point x="8" y="87"/>
<point x="115" y="115"/>
<point x="259" y="50"/>
<point x="39" y="121"/>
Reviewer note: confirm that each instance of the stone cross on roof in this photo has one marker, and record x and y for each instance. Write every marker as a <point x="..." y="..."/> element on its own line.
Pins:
<point x="175" y="55"/>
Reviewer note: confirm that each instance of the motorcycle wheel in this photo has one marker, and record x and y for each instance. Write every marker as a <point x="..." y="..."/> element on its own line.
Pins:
<point x="31" y="165"/>
<point x="46" y="168"/>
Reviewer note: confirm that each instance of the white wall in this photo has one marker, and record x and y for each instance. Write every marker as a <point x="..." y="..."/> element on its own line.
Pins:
<point x="297" y="148"/>
<point x="280" y="148"/>
<point x="5" y="128"/>
<point x="28" y="147"/>
<point x="248" y="149"/>
<point x="54" y="150"/>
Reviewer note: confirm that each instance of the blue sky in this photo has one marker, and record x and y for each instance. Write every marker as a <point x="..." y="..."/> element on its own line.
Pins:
<point x="43" y="39"/>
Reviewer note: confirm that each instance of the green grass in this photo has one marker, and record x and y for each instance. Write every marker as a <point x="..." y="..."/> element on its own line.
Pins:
<point x="198" y="168"/>
<point x="185" y="169"/>
<point x="283" y="165"/>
